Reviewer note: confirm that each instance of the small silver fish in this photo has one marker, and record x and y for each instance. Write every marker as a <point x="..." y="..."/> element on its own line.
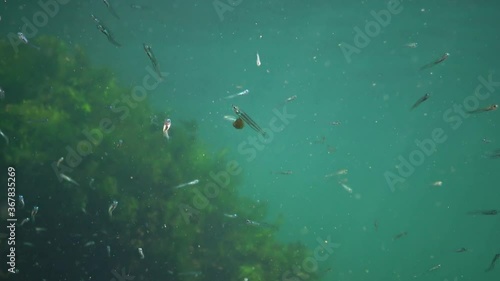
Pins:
<point x="141" y="253"/>
<point x="188" y="183"/>
<point x="23" y="38"/>
<point x="112" y="207"/>
<point x="245" y="92"/>
<point x="21" y="202"/>
<point x="111" y="9"/>
<point x="166" y="127"/>
<point x="346" y="188"/>
<point x="4" y="136"/>
<point x="68" y="179"/>
<point x="34" y="212"/>
<point x="434" y="268"/>
<point x="24" y="221"/>
<point x="40" y="229"/>
<point x="291" y="98"/>
<point x="412" y="45"/>
<point x="59" y="162"/>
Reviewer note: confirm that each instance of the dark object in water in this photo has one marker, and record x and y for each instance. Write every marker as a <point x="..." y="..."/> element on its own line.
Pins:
<point x="492" y="264"/>
<point x="484" y="212"/>
<point x="238" y="123"/>
<point x="243" y="116"/>
<point x="421" y="100"/>
<point x="438" y="61"/>
<point x="484" y="109"/>
<point x="495" y="154"/>
<point x="397" y="236"/>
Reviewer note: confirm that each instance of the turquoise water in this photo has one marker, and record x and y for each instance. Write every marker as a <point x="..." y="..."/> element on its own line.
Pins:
<point x="209" y="56"/>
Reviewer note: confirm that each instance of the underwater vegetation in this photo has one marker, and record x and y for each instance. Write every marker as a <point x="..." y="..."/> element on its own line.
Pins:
<point x="75" y="153"/>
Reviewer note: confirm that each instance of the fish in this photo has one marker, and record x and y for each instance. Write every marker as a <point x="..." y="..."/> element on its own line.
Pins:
<point x="40" y="229"/>
<point x="245" y="92"/>
<point x="437" y="183"/>
<point x="95" y="19"/>
<point x="193" y="182"/>
<point x="24" y="221"/>
<point x="4" y="136"/>
<point x="232" y="216"/>
<point x="342" y="172"/>
<point x="34" y="212"/>
<point x="484" y="109"/>
<point x="23" y="38"/>
<point x="248" y="120"/>
<point x="460" y="250"/>
<point x="258" y="60"/>
<point x="495" y="154"/>
<point x="259" y="224"/>
<point x="68" y="179"/>
<point x="108" y="34"/>
<point x="421" y="100"/>
<point x="112" y="207"/>
<point x="484" y="212"/>
<point x="110" y="8"/>
<point x="152" y="58"/>
<point x="436" y="267"/>
<point x="347" y="188"/>
<point x="400" y="235"/>
<point x="492" y="264"/>
<point x="108" y="251"/>
<point x="141" y="253"/>
<point x="412" y="45"/>
<point x="166" y="127"/>
<point x="2" y="94"/>
<point x="59" y="162"/>
<point x="286" y="172"/>
<point x="291" y="98"/>
<point x="21" y="201"/>
<point x="438" y="61"/>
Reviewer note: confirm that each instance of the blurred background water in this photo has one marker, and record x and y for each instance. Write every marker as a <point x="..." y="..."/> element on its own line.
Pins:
<point x="210" y="55"/>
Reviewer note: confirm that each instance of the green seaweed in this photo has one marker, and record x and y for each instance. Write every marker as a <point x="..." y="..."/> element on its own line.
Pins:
<point x="55" y="105"/>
